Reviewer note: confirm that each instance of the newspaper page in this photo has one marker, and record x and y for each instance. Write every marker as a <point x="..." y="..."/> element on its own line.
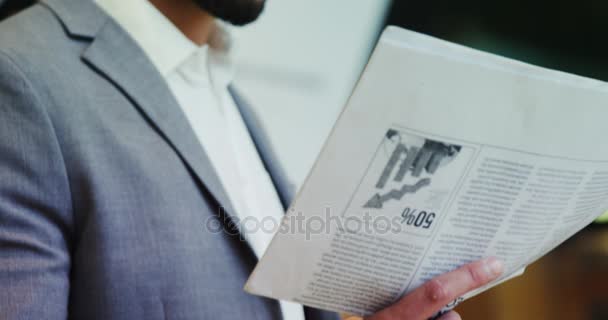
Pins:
<point x="442" y="156"/>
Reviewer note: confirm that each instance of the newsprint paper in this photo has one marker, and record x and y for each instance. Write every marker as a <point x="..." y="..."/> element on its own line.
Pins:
<point x="442" y="156"/>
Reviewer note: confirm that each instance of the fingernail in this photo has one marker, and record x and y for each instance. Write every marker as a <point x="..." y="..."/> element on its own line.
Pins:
<point x="452" y="315"/>
<point x="495" y="266"/>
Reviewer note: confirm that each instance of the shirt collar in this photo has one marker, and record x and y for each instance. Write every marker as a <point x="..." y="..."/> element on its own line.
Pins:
<point x="165" y="45"/>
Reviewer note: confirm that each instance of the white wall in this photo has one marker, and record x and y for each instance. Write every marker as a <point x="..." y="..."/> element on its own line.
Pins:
<point x="298" y="64"/>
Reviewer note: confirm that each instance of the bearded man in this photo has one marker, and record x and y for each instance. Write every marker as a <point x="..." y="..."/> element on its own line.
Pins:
<point x="123" y="147"/>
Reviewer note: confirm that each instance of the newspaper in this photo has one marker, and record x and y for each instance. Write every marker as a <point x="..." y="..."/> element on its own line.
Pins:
<point x="442" y="156"/>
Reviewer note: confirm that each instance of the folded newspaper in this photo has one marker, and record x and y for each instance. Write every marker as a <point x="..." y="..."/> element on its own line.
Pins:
<point x="442" y="156"/>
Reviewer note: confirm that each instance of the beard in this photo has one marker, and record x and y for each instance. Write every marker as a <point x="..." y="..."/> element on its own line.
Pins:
<point x="236" y="12"/>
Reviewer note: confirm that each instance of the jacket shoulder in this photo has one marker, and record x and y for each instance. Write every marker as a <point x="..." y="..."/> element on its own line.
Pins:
<point x="32" y="36"/>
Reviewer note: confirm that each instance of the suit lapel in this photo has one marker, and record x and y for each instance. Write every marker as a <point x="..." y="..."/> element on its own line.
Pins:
<point x="114" y="55"/>
<point x="121" y="61"/>
<point x="284" y="186"/>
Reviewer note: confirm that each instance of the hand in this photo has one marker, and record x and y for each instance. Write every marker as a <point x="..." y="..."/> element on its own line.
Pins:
<point x="428" y="299"/>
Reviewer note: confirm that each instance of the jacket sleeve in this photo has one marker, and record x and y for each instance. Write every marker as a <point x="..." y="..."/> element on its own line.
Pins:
<point x="35" y="204"/>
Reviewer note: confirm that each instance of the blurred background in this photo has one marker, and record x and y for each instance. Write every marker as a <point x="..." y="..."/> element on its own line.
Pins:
<point x="300" y="61"/>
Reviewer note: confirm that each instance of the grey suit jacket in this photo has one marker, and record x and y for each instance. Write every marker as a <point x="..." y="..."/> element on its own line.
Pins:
<point x="105" y="193"/>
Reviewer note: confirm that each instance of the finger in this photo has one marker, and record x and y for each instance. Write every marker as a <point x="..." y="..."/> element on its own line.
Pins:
<point x="426" y="300"/>
<point x="452" y="315"/>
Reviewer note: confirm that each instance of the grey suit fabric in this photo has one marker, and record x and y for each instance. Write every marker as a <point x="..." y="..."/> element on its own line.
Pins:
<point x="109" y="208"/>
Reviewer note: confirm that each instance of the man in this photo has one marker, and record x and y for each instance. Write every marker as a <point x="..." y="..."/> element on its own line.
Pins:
<point x="120" y="140"/>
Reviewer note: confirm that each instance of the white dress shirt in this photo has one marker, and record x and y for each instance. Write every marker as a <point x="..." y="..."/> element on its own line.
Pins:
<point x="199" y="78"/>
